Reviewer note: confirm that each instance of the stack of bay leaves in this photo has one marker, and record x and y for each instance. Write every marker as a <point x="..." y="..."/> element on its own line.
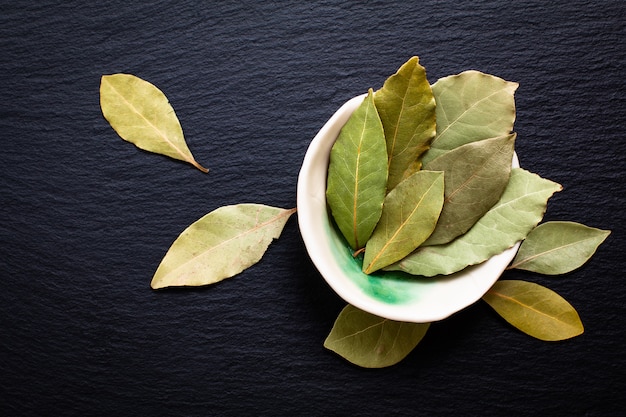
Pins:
<point x="420" y="180"/>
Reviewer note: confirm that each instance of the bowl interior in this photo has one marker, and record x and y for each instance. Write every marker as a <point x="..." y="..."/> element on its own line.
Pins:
<point x="392" y="295"/>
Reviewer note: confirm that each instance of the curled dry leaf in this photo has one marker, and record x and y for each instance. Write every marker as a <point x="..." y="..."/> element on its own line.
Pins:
<point x="407" y="110"/>
<point x="370" y="341"/>
<point x="356" y="183"/>
<point x="221" y="244"/>
<point x="141" y="114"/>
<point x="555" y="248"/>
<point x="518" y="211"/>
<point x="534" y="309"/>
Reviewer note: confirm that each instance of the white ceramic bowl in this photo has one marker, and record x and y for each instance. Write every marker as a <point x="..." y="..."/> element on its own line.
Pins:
<point x="392" y="295"/>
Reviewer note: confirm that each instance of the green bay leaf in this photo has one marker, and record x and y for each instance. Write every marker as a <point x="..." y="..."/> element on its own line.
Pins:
<point x="406" y="107"/>
<point x="357" y="178"/>
<point x="520" y="208"/>
<point x="141" y="114"/>
<point x="558" y="247"/>
<point x="370" y="341"/>
<point x="471" y="106"/>
<point x="410" y="212"/>
<point x="534" y="309"/>
<point x="476" y="174"/>
<point x="221" y="244"/>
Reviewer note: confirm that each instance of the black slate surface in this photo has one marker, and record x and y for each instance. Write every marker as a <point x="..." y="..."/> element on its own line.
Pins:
<point x="86" y="217"/>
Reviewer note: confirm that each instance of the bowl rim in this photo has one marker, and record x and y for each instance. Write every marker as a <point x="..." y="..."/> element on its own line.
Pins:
<point x="472" y="282"/>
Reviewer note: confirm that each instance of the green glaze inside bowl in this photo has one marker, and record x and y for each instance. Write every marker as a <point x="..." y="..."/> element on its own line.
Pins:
<point x="391" y="287"/>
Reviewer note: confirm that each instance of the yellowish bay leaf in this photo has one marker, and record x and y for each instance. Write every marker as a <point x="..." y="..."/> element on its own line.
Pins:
<point x="534" y="309"/>
<point x="409" y="215"/>
<point x="141" y="114"/>
<point x="221" y="244"/>
<point x="407" y="110"/>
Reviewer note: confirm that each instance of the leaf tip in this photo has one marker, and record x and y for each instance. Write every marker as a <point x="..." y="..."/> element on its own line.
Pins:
<point x="156" y="284"/>
<point x="200" y="167"/>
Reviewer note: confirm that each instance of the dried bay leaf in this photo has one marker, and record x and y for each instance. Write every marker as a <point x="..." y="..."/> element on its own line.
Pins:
<point x="141" y="114"/>
<point x="557" y="247"/>
<point x="410" y="212"/>
<point x="406" y="107"/>
<point x="471" y="106"/>
<point x="370" y="341"/>
<point x="534" y="309"/>
<point x="476" y="174"/>
<point x="510" y="220"/>
<point x="221" y="244"/>
<point x="357" y="178"/>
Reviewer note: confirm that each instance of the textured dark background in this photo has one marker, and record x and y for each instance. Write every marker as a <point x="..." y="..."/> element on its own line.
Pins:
<point x="86" y="217"/>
